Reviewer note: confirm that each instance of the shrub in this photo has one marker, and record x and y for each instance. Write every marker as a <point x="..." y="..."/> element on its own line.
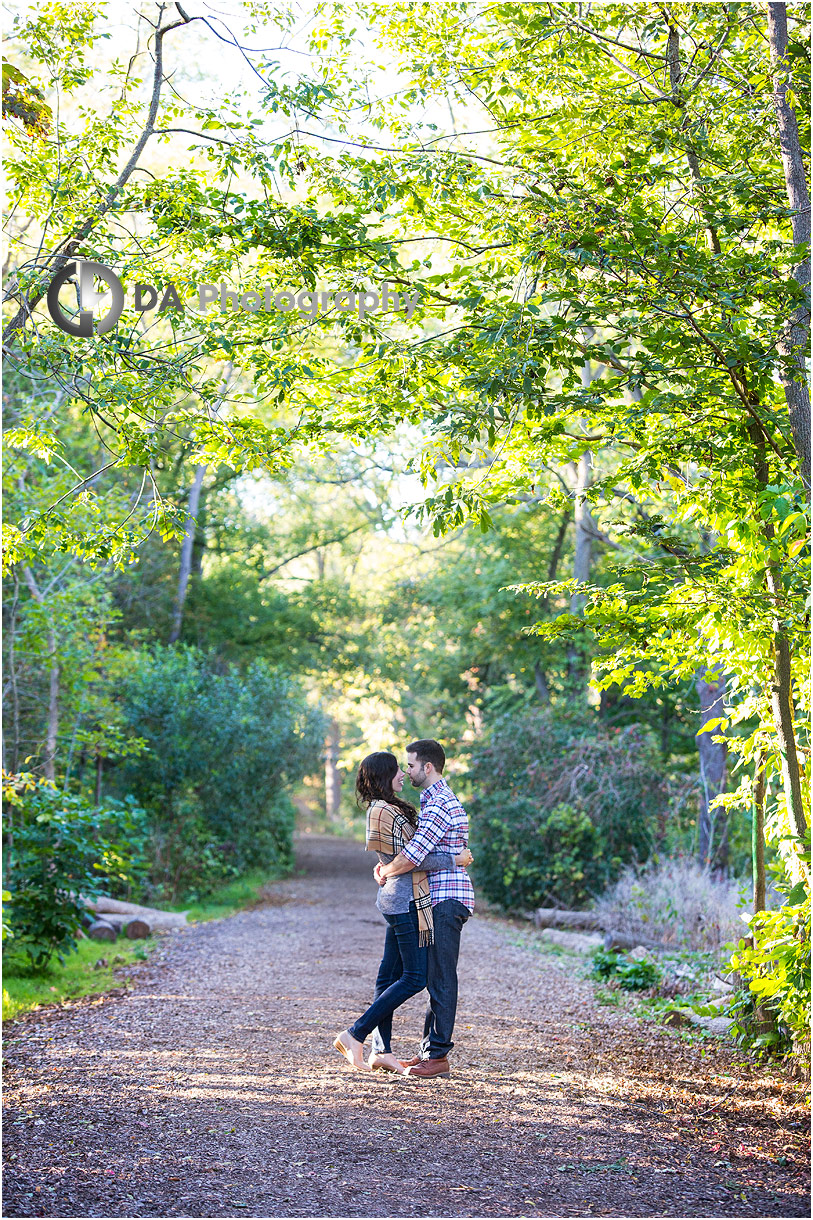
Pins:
<point x="776" y="966"/>
<point x="673" y="901"/>
<point x="526" y="858"/>
<point x="222" y="746"/>
<point x="562" y="804"/>
<point x="631" y="975"/>
<point x="56" y="849"/>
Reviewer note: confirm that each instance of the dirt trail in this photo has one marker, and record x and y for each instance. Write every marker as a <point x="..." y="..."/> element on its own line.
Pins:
<point x="211" y="1088"/>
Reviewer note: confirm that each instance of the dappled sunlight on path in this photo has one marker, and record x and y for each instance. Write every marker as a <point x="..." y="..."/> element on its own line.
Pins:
<point x="212" y="1089"/>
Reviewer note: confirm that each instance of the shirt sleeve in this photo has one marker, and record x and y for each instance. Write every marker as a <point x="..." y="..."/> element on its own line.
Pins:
<point x="438" y="861"/>
<point x="433" y="826"/>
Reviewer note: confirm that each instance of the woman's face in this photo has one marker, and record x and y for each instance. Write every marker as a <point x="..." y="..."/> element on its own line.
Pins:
<point x="398" y="780"/>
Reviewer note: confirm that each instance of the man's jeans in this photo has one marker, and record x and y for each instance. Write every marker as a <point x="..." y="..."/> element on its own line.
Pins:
<point x="402" y="974"/>
<point x="448" y="917"/>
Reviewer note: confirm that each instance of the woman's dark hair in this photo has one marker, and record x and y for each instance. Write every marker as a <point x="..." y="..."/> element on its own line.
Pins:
<point x="374" y="783"/>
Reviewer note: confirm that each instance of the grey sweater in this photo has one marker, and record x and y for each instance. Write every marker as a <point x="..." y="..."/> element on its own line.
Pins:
<point x="394" y="897"/>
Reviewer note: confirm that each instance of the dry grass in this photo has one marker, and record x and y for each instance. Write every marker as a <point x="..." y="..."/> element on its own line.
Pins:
<point x="676" y="902"/>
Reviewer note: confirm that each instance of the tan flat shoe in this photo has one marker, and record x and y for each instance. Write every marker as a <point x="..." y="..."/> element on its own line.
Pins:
<point x="379" y="1063"/>
<point x="346" y="1049"/>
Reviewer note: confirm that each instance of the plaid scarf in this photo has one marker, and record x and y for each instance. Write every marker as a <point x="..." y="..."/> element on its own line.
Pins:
<point x="388" y="831"/>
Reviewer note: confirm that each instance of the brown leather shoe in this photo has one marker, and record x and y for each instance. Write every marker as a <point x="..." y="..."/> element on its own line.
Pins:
<point x="410" y="1063"/>
<point x="429" y="1067"/>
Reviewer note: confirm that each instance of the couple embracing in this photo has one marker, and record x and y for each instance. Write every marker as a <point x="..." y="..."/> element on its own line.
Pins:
<point x="425" y="896"/>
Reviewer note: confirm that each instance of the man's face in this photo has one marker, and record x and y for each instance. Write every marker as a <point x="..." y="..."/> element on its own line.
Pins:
<point x="416" y="770"/>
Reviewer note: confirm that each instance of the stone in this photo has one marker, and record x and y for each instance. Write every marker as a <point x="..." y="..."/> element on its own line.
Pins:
<point x="642" y="955"/>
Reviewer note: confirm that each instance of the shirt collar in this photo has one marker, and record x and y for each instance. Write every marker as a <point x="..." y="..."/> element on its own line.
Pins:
<point x="433" y="788"/>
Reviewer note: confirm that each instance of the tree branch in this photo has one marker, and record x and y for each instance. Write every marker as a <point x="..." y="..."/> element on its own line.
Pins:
<point x="67" y="248"/>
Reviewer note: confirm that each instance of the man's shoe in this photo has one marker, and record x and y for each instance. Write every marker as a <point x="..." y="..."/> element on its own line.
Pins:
<point x="429" y="1067"/>
<point x="410" y="1063"/>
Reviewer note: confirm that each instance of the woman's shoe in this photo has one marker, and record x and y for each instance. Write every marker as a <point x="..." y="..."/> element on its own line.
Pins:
<point x="352" y="1049"/>
<point x="385" y="1063"/>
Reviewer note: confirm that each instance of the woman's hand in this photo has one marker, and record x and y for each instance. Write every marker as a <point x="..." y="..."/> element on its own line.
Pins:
<point x="464" y="858"/>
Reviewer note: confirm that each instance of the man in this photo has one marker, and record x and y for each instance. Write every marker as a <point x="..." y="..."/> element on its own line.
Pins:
<point x="443" y="827"/>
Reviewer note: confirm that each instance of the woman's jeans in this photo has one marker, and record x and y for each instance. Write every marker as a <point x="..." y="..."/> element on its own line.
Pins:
<point x="402" y="974"/>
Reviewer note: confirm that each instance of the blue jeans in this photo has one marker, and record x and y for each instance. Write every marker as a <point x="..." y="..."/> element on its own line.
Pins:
<point x="448" y="917"/>
<point x="402" y="974"/>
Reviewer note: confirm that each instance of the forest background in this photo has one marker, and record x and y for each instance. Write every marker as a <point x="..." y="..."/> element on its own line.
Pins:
<point x="557" y="517"/>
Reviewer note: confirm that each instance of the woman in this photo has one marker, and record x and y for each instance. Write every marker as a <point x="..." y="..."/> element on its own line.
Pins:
<point x="403" y="901"/>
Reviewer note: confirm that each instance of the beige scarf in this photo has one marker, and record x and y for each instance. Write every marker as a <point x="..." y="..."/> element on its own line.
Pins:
<point x="388" y="831"/>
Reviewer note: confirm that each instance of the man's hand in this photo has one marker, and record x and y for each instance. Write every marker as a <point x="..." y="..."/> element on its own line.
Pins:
<point x="379" y="875"/>
<point x="464" y="858"/>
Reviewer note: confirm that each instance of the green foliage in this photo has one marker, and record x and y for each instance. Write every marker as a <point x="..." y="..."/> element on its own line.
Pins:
<point x="626" y="237"/>
<point x="604" y="964"/>
<point x="527" y="856"/>
<point x="82" y="972"/>
<point x="561" y="803"/>
<point x="630" y="974"/>
<point x="776" y="965"/>
<point x="221" y="748"/>
<point x="56" y="849"/>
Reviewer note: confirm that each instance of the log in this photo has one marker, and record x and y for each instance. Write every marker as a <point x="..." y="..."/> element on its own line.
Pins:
<point x="575" y="921"/>
<point x="624" y="942"/>
<point x="580" y="942"/>
<point x="685" y="1016"/>
<point x="153" y="916"/>
<point x="133" y="929"/>
<point x="102" y="930"/>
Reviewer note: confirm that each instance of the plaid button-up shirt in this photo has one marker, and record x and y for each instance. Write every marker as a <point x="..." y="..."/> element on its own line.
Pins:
<point x="443" y="826"/>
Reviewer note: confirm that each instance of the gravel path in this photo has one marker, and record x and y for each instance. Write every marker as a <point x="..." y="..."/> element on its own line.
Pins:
<point x="210" y="1087"/>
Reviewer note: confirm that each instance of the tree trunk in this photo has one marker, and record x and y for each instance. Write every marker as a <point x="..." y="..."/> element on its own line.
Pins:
<point x="554" y="917"/>
<point x="540" y="677"/>
<point x="781" y="684"/>
<point x="556" y="553"/>
<point x="541" y="683"/>
<point x="102" y="930"/>
<point x="99" y="771"/>
<point x="782" y="705"/>
<point x="712" y="835"/>
<point x="678" y="101"/>
<point x="582" y="560"/>
<point x="12" y="673"/>
<point x="758" y="834"/>
<point x="186" y="554"/>
<point x="333" y="776"/>
<point x="131" y="926"/>
<point x="794" y="340"/>
<point x="133" y="910"/>
<point x="52" y="727"/>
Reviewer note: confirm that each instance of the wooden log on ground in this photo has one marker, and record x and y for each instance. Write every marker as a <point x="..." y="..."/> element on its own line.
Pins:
<point x="624" y="942"/>
<point x="102" y="930"/>
<point x="153" y="916"/>
<point x="132" y="928"/>
<point x="574" y="921"/>
<point x="579" y="942"/>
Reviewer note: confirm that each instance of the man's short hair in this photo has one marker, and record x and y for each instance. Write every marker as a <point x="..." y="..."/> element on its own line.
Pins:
<point x="426" y="750"/>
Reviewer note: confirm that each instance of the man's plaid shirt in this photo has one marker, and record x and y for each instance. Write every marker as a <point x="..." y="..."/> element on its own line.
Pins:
<point x="442" y="827"/>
